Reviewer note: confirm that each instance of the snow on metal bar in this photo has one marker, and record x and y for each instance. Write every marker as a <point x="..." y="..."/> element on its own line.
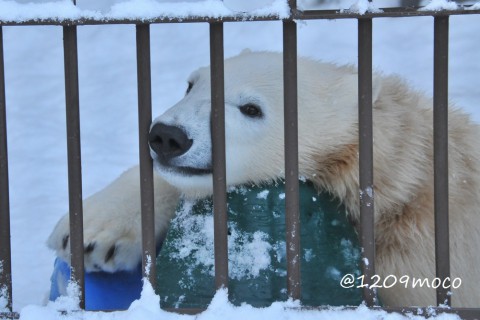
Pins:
<point x="5" y="247"/>
<point x="292" y="204"/>
<point x="136" y="12"/>
<point x="146" y="165"/>
<point x="219" y="155"/>
<point x="440" y="143"/>
<point x="74" y="158"/>
<point x="133" y="11"/>
<point x="365" y="148"/>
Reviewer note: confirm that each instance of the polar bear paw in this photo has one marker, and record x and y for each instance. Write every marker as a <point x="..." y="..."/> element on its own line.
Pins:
<point x="112" y="230"/>
<point x="109" y="245"/>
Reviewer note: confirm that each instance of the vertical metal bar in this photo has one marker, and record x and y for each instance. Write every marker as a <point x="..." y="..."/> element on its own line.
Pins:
<point x="218" y="150"/>
<point x="440" y="141"/>
<point x="146" y="166"/>
<point x="74" y="157"/>
<point x="292" y="205"/>
<point x="5" y="246"/>
<point x="365" y="132"/>
<point x="293" y="5"/>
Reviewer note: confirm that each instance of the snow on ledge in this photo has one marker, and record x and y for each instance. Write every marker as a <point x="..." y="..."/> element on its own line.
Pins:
<point x="476" y="6"/>
<point x="363" y="6"/>
<point x="439" y="5"/>
<point x="13" y="11"/>
<point x="133" y="9"/>
<point x="148" y="9"/>
<point x="148" y="308"/>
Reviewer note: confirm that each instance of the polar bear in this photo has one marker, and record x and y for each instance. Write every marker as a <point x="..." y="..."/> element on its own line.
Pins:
<point x="328" y="156"/>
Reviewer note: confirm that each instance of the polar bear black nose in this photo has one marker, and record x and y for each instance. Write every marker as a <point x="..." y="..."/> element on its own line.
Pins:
<point x="169" y="141"/>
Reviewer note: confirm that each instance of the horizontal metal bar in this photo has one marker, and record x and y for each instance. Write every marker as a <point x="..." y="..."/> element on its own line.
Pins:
<point x="218" y="154"/>
<point x="463" y="313"/>
<point x="427" y="312"/>
<point x="74" y="158"/>
<point x="189" y="311"/>
<point x="9" y="315"/>
<point x="146" y="166"/>
<point x="440" y="142"/>
<point x="399" y="12"/>
<point x="5" y="245"/>
<point x="296" y="15"/>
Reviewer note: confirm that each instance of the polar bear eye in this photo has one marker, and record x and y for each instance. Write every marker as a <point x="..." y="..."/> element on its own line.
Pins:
<point x="251" y="110"/>
<point x="189" y="88"/>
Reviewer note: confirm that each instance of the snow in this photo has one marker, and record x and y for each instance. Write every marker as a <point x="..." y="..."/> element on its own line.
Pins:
<point x="148" y="308"/>
<point x="365" y="261"/>
<point x="13" y="11"/>
<point x="36" y="116"/>
<point x="263" y="194"/>
<point x="3" y="293"/>
<point x="246" y="6"/>
<point x="138" y="9"/>
<point x="3" y="299"/>
<point x="148" y="9"/>
<point x="475" y="6"/>
<point x="308" y="254"/>
<point x="437" y="5"/>
<point x="248" y="253"/>
<point x="369" y="191"/>
<point x="363" y="6"/>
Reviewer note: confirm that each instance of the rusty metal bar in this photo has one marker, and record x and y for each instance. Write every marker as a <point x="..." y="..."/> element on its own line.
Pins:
<point x="292" y="204"/>
<point x="146" y="166"/>
<point x="399" y="12"/>
<point x="293" y="6"/>
<point x="365" y="134"/>
<point x="218" y="154"/>
<point x="296" y="15"/>
<point x="74" y="158"/>
<point x="5" y="245"/>
<point x="440" y="143"/>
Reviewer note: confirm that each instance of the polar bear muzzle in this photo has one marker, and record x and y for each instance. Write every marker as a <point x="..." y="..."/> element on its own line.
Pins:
<point x="169" y="147"/>
<point x="168" y="141"/>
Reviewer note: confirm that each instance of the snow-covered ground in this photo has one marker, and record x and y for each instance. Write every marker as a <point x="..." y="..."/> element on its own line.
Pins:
<point x="107" y="66"/>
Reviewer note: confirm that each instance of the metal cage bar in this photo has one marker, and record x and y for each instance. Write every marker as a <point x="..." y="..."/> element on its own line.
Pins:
<point x="365" y="146"/>
<point x="292" y="204"/>
<point x="144" y="84"/>
<point x="218" y="143"/>
<point x="440" y="147"/>
<point x="5" y="246"/>
<point x="218" y="154"/>
<point x="74" y="158"/>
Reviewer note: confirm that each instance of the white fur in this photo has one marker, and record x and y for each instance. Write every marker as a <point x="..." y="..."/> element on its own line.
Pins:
<point x="112" y="219"/>
<point x="328" y="155"/>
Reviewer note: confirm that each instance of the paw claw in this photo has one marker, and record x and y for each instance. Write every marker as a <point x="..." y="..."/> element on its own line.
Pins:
<point x="89" y="248"/>
<point x="65" y="241"/>
<point x="110" y="253"/>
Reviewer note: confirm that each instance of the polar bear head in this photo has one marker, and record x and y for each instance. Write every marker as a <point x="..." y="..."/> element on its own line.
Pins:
<point x="180" y="139"/>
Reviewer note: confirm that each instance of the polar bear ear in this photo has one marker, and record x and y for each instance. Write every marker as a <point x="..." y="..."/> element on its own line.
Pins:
<point x="246" y="51"/>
